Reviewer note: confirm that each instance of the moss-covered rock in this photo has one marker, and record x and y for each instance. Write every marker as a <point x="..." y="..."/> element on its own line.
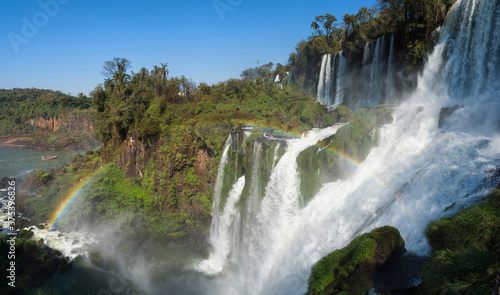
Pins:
<point x="34" y="263"/>
<point x="25" y="234"/>
<point x="466" y="250"/>
<point x="349" y="269"/>
<point x="328" y="160"/>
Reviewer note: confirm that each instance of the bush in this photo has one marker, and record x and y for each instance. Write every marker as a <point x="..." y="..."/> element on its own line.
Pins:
<point x="466" y="250"/>
<point x="349" y="269"/>
<point x="76" y="158"/>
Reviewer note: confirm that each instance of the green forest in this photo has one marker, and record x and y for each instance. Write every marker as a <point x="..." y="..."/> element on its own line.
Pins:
<point x="411" y="21"/>
<point x="21" y="105"/>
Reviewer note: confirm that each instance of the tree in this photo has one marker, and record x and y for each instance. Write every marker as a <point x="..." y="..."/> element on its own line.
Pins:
<point x="143" y="75"/>
<point x="163" y="71"/>
<point x="116" y="70"/>
<point x="264" y="72"/>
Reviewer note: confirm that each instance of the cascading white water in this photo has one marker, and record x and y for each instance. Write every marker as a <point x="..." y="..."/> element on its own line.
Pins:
<point x="71" y="244"/>
<point x="225" y="232"/>
<point x="275" y="157"/>
<point x="324" y="95"/>
<point x="418" y="173"/>
<point x="472" y="49"/>
<point x="371" y="84"/>
<point x="327" y="98"/>
<point x="389" y="83"/>
<point x="374" y="93"/>
<point x="341" y="75"/>
<point x="321" y="83"/>
<point x="218" y="186"/>
<point x="332" y="79"/>
<point x="373" y="73"/>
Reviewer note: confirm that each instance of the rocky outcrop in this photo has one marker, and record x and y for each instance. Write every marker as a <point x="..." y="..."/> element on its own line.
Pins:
<point x="330" y="156"/>
<point x="71" y="121"/>
<point x="445" y="113"/>
<point x="73" y="131"/>
<point x="5" y="182"/>
<point x="35" y="262"/>
<point x="350" y="269"/>
<point x="60" y="141"/>
<point x="179" y="169"/>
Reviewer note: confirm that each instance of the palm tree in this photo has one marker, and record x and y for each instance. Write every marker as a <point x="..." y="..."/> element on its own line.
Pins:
<point x="164" y="71"/>
<point x="143" y="74"/>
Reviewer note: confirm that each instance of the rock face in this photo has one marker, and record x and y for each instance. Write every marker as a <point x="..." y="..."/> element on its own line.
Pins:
<point x="62" y="141"/>
<point x="350" y="269"/>
<point x="71" y="121"/>
<point x="4" y="183"/>
<point x="354" y="140"/>
<point x="179" y="170"/>
<point x="35" y="262"/>
<point x="73" y="131"/>
<point x="445" y="113"/>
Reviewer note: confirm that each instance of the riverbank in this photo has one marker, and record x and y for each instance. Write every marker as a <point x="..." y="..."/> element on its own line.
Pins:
<point x="19" y="162"/>
<point x="16" y="142"/>
<point x="56" y="141"/>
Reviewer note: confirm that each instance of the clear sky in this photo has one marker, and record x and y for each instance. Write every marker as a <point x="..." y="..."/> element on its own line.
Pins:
<point x="62" y="44"/>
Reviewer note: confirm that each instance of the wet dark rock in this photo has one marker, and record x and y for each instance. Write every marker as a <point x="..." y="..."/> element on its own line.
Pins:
<point x="96" y="258"/>
<point x="398" y="273"/>
<point x="65" y="267"/>
<point x="25" y="234"/>
<point x="40" y="243"/>
<point x="4" y="183"/>
<point x="351" y="268"/>
<point x="445" y="113"/>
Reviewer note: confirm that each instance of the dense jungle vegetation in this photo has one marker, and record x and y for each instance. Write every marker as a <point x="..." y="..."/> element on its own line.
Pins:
<point x="20" y="105"/>
<point x="411" y="21"/>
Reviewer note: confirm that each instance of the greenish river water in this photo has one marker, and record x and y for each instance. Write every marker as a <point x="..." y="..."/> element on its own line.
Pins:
<point x="18" y="163"/>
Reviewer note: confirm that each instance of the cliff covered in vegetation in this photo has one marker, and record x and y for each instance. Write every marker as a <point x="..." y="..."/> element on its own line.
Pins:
<point x="162" y="139"/>
<point x="46" y="120"/>
<point x="411" y="22"/>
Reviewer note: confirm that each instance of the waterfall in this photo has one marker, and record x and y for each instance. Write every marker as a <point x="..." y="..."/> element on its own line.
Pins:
<point x="332" y="79"/>
<point x="472" y="49"/>
<point x="373" y="74"/>
<point x="374" y="92"/>
<point x="365" y="85"/>
<point x="328" y="79"/>
<point x="225" y="233"/>
<point x="218" y="185"/>
<point x="389" y="83"/>
<point x="321" y="84"/>
<point x="416" y="174"/>
<point x="341" y="75"/>
<point x="325" y="80"/>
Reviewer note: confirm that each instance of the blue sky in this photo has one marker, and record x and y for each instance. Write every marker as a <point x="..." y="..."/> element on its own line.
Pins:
<point x="64" y="45"/>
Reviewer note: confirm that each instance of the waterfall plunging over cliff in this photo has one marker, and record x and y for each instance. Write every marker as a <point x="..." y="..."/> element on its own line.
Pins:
<point x="366" y="85"/>
<point x="331" y="81"/>
<point x="416" y="174"/>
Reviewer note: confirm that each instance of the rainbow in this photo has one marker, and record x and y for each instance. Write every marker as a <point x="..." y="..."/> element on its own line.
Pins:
<point x="67" y="200"/>
<point x="358" y="164"/>
<point x="376" y="178"/>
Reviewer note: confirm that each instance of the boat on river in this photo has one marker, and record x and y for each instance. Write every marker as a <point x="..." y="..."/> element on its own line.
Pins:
<point x="48" y="158"/>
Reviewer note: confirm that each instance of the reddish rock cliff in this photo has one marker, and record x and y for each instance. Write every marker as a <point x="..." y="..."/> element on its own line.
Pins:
<point x="71" y="121"/>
